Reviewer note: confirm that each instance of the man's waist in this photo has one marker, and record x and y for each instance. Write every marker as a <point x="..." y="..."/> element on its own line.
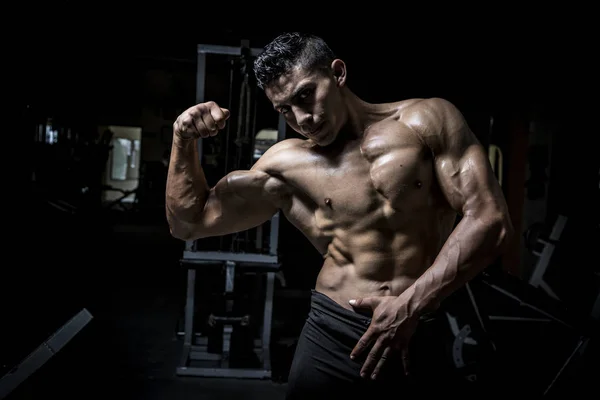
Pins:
<point x="349" y="281"/>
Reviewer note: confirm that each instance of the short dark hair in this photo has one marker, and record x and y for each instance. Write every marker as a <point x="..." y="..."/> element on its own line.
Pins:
<point x="289" y="50"/>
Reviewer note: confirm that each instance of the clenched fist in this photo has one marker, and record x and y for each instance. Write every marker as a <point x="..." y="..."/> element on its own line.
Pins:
<point x="201" y="121"/>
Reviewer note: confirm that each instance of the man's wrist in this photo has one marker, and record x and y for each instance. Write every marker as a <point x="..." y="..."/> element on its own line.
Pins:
<point x="183" y="142"/>
<point x="417" y="303"/>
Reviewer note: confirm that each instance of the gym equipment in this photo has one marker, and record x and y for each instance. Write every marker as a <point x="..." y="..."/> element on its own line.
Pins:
<point x="537" y="277"/>
<point x="531" y="315"/>
<point x="252" y="251"/>
<point x="537" y="280"/>
<point x="500" y="327"/>
<point x="524" y="319"/>
<point x="470" y="345"/>
<point x="498" y="316"/>
<point x="44" y="352"/>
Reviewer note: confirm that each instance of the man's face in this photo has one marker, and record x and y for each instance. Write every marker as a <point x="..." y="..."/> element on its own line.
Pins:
<point x="310" y="102"/>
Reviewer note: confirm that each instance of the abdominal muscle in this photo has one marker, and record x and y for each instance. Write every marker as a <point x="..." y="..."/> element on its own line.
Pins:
<point x="369" y="265"/>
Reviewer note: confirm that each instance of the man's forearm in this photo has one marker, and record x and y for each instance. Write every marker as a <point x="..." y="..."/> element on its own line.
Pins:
<point x="187" y="189"/>
<point x="472" y="246"/>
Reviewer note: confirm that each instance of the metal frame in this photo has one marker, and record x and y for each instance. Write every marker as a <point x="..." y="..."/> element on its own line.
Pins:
<point x="226" y="256"/>
<point x="196" y="350"/>
<point x="544" y="257"/>
<point x="537" y="277"/>
<point x="195" y="347"/>
<point x="44" y="352"/>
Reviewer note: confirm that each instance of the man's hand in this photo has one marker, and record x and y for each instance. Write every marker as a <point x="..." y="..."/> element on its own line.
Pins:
<point x="201" y="121"/>
<point x="388" y="335"/>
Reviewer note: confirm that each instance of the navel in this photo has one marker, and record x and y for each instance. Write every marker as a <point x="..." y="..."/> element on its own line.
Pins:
<point x="384" y="288"/>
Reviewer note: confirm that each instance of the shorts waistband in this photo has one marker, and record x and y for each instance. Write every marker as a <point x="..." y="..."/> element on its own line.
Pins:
<point x="327" y="305"/>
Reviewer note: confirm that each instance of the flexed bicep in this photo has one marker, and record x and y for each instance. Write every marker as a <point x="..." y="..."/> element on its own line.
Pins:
<point x="239" y="201"/>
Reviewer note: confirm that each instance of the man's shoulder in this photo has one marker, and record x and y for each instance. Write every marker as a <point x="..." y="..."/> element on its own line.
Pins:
<point x="438" y="122"/>
<point x="288" y="144"/>
<point x="425" y="108"/>
<point x="281" y="155"/>
<point x="429" y="116"/>
<point x="285" y="148"/>
<point x="418" y="113"/>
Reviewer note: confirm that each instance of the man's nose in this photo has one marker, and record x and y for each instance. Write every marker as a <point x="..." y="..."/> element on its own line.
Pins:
<point x="303" y="118"/>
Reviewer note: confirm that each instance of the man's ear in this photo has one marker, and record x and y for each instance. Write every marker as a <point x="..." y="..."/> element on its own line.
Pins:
<point x="339" y="72"/>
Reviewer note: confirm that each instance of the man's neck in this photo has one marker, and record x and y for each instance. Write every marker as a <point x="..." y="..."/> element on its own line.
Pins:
<point x="359" y="115"/>
<point x="357" y="111"/>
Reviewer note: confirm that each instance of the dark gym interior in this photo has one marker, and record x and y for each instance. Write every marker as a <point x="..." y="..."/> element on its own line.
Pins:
<point x="95" y="304"/>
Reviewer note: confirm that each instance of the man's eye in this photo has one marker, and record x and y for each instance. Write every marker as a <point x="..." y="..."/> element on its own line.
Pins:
<point x="305" y="93"/>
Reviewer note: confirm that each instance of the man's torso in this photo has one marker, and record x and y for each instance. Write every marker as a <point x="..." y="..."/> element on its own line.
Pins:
<point x="370" y="205"/>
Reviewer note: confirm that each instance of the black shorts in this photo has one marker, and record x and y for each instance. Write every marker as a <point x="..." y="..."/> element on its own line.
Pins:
<point x="322" y="368"/>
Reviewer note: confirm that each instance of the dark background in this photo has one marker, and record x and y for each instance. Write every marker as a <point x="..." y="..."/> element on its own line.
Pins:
<point x="123" y="265"/>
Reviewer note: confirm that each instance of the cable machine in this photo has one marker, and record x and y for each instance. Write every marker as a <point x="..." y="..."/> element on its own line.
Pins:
<point x="253" y="252"/>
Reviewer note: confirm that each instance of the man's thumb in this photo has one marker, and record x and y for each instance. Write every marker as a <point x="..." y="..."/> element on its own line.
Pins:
<point x="364" y="302"/>
<point x="225" y="112"/>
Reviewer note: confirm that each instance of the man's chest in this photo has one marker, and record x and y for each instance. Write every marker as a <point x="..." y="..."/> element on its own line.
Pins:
<point x="376" y="173"/>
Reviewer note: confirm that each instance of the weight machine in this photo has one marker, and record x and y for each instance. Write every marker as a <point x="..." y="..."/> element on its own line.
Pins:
<point x="254" y="251"/>
<point x="495" y="299"/>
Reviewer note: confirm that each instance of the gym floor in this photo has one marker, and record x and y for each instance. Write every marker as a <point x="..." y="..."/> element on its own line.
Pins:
<point x="130" y="347"/>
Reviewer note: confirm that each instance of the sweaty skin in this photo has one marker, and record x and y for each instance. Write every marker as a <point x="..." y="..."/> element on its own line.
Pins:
<point x="376" y="188"/>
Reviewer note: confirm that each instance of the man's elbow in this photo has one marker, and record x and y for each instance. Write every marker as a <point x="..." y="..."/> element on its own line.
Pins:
<point x="182" y="225"/>
<point x="183" y="231"/>
<point x="180" y="234"/>
<point x="504" y="231"/>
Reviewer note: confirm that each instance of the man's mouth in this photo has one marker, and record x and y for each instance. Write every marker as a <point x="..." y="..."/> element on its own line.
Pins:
<point x="315" y="130"/>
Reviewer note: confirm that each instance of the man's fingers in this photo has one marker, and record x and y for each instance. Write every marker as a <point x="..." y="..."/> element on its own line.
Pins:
<point x="209" y="123"/>
<point x="220" y="115"/>
<point x="373" y="358"/>
<point x="387" y="353"/>
<point x="362" y="344"/>
<point x="201" y="121"/>
<point x="187" y="125"/>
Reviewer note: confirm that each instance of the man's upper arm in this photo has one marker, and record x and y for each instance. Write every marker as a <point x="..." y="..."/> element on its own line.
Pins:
<point x="461" y="163"/>
<point x="242" y="200"/>
<point x="239" y="201"/>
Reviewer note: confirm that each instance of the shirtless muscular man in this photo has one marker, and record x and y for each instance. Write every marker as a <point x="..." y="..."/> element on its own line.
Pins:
<point x="376" y="188"/>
